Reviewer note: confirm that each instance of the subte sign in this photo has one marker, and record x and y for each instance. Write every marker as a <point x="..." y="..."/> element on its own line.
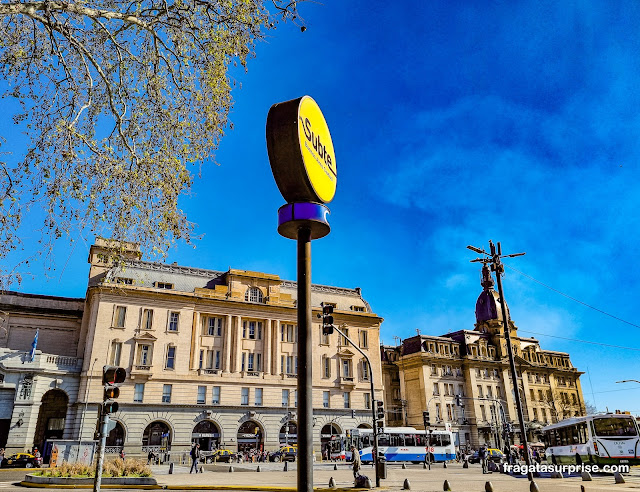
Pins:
<point x="301" y="151"/>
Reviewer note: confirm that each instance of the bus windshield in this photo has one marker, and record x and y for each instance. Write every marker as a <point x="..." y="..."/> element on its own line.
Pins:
<point x="614" y="427"/>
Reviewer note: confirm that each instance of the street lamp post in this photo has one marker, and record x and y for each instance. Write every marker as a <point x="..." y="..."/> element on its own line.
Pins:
<point x="494" y="258"/>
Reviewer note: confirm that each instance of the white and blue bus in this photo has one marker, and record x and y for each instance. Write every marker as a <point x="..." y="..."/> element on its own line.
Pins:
<point x="405" y="444"/>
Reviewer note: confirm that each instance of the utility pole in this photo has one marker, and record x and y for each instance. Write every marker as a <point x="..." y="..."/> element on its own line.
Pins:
<point x="493" y="258"/>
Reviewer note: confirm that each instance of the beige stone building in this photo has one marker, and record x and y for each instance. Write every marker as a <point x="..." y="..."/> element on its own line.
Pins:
<point x="431" y="372"/>
<point x="212" y="357"/>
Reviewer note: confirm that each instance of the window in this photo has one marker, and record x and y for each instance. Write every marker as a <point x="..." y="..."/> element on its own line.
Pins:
<point x="201" y="359"/>
<point x="144" y="355"/>
<point x="212" y="326"/>
<point x="289" y="333"/>
<point x="449" y="412"/>
<point x="367" y="401"/>
<point x="490" y="392"/>
<point x="173" y="321"/>
<point x="216" y="365"/>
<point x="171" y="358"/>
<point x="436" y="389"/>
<point x="346" y="368"/>
<point x="166" y="393"/>
<point x="358" y="308"/>
<point x="147" y="319"/>
<point x="347" y="399"/>
<point x="326" y="367"/>
<point x="364" y="341"/>
<point x="285" y="397"/>
<point x="342" y="340"/>
<point x="138" y="393"/>
<point x="325" y="399"/>
<point x="438" y="412"/>
<point x="535" y="414"/>
<point x="215" y="395"/>
<point x="243" y="359"/>
<point x="202" y="395"/>
<point x="258" y="398"/>
<point x="164" y="285"/>
<point x="116" y="350"/>
<point x="434" y="370"/>
<point x="244" y="396"/>
<point x="254" y="294"/>
<point x="252" y="330"/>
<point x="209" y="359"/>
<point x="119" y="316"/>
<point x="483" y="412"/>
<point x="295" y="398"/>
<point x="365" y="370"/>
<point x="124" y="280"/>
<point x="324" y="339"/>
<point x="480" y="393"/>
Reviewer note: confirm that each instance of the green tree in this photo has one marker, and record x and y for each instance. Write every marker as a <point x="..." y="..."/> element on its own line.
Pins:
<point x="118" y="99"/>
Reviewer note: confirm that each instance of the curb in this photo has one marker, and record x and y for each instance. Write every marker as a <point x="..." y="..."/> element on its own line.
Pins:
<point x="75" y="486"/>
<point x="188" y="487"/>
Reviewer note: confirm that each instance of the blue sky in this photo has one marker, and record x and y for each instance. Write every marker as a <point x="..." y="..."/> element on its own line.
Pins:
<point x="453" y="123"/>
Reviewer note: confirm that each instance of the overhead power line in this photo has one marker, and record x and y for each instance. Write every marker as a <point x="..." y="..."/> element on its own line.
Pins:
<point x="572" y="298"/>
<point x="581" y="341"/>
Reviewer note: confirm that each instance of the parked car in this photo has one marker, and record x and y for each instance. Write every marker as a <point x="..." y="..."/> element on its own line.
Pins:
<point x="22" y="460"/>
<point x="285" y="453"/>
<point x="494" y="455"/>
<point x="220" y="456"/>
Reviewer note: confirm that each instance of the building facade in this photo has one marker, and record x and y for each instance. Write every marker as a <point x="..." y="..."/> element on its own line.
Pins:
<point x="39" y="378"/>
<point x="212" y="357"/>
<point x="464" y="381"/>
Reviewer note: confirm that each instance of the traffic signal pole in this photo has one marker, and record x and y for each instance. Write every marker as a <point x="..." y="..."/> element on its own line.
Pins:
<point x="374" y="453"/>
<point x="104" y="424"/>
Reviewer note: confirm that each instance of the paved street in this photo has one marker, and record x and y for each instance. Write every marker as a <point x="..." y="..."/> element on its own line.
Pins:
<point x="272" y="477"/>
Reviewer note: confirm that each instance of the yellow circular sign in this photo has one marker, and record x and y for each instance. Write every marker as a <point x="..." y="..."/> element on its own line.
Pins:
<point x="317" y="151"/>
<point x="301" y="151"/>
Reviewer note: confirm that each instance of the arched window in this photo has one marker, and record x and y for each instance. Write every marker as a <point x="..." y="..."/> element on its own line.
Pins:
<point x="254" y="294"/>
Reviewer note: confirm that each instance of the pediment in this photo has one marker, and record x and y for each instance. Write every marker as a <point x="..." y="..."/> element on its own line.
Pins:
<point x="148" y="337"/>
<point x="345" y="353"/>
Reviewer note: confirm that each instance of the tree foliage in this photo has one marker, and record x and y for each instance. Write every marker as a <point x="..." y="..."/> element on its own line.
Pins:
<point x="118" y="98"/>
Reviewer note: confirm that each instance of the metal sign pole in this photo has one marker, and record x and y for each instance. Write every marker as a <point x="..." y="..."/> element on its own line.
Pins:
<point x="103" y="442"/>
<point x="305" y="360"/>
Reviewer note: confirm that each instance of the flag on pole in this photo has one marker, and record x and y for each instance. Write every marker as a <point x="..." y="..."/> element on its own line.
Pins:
<point x="34" y="344"/>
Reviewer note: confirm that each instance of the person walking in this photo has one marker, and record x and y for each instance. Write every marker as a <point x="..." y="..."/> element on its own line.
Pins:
<point x="482" y="454"/>
<point x="195" y="457"/>
<point x="357" y="463"/>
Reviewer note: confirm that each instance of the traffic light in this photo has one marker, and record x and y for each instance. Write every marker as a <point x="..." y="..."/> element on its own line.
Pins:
<point x="327" y="319"/>
<point x="458" y="400"/>
<point x="425" y="418"/>
<point x="353" y="414"/>
<point x="112" y="376"/>
<point x="380" y="410"/>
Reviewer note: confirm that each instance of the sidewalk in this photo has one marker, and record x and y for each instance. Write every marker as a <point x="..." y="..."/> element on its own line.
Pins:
<point x="273" y="478"/>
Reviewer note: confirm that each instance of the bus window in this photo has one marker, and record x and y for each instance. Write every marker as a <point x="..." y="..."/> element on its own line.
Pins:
<point x="409" y="440"/>
<point x="614" y="427"/>
<point x="445" y="439"/>
<point x="383" y="439"/>
<point x="421" y="440"/>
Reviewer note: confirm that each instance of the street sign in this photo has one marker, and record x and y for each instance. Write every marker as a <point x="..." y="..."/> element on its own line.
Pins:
<point x="301" y="152"/>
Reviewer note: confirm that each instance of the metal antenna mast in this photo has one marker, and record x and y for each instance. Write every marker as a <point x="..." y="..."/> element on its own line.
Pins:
<point x="493" y="258"/>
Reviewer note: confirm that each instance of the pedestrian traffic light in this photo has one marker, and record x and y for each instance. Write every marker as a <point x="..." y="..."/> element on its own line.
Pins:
<point x="112" y="376"/>
<point x="327" y="319"/>
<point x="425" y="418"/>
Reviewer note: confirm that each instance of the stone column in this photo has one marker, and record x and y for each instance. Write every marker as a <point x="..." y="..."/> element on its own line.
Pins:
<point x="238" y="345"/>
<point x="228" y="334"/>
<point x="278" y="353"/>
<point x="266" y="347"/>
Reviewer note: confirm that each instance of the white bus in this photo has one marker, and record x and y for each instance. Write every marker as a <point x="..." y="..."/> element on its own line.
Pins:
<point x="405" y="444"/>
<point x="607" y="439"/>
